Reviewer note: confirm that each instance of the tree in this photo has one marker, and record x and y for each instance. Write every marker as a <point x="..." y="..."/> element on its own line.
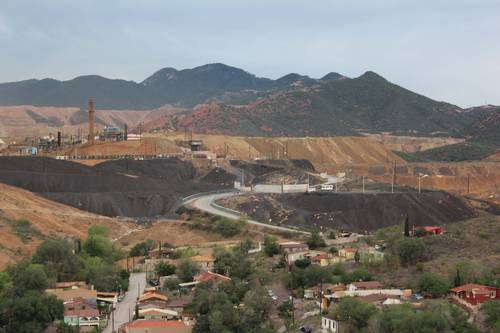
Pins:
<point x="354" y="312"/>
<point x="141" y="248"/>
<point x="407" y="226"/>
<point x="357" y="257"/>
<point x="302" y="263"/>
<point x="458" y="279"/>
<point x="58" y="259"/>
<point x="164" y="269"/>
<point x="187" y="270"/>
<point x="286" y="312"/>
<point x="271" y="246"/>
<point x="360" y="274"/>
<point x="26" y="276"/>
<point x="315" y="241"/>
<point x="492" y="311"/>
<point x="410" y="250"/>
<point x="433" y="285"/>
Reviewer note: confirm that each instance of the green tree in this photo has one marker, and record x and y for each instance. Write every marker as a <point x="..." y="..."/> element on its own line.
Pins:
<point x="26" y="276"/>
<point x="286" y="312"/>
<point x="141" y="248"/>
<point x="315" y="241"/>
<point x="354" y="312"/>
<point x="271" y="246"/>
<point x="407" y="226"/>
<point x="410" y="250"/>
<point x="58" y="259"/>
<point x="164" y="269"/>
<point x="187" y="270"/>
<point x="302" y="263"/>
<point x="360" y="274"/>
<point x="491" y="310"/>
<point x="357" y="257"/>
<point x="433" y="285"/>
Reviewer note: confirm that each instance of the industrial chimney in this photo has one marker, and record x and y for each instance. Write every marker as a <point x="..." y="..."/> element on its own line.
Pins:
<point x="91" y="121"/>
<point x="59" y="139"/>
<point x="125" y="132"/>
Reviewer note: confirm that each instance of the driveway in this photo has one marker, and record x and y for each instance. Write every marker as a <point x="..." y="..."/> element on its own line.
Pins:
<point x="207" y="204"/>
<point x="126" y="308"/>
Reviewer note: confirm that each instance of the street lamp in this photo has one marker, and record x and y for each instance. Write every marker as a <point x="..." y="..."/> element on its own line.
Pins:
<point x="420" y="176"/>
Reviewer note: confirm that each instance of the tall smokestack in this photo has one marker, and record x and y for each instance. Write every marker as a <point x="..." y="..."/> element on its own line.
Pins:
<point x="125" y="132"/>
<point x="91" y="121"/>
<point x="58" y="139"/>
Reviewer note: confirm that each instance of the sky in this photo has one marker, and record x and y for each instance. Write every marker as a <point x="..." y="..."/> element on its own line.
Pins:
<point x="448" y="50"/>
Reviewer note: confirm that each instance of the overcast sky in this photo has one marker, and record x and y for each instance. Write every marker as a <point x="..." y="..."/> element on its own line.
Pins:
<point x="446" y="49"/>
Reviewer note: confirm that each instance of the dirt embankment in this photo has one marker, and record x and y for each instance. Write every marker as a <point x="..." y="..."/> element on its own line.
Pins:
<point x="480" y="179"/>
<point x="116" y="188"/>
<point x="352" y="211"/>
<point x="47" y="219"/>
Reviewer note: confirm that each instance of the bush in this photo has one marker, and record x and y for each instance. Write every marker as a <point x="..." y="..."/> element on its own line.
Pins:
<point x="187" y="270"/>
<point x="410" y="250"/>
<point x="315" y="241"/>
<point x="227" y="227"/>
<point x="24" y="230"/>
<point x="164" y="269"/>
<point x="302" y="263"/>
<point x="433" y="285"/>
<point x="271" y="246"/>
<point x="141" y="248"/>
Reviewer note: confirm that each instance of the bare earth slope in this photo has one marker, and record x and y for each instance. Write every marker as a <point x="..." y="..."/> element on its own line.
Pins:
<point x="48" y="219"/>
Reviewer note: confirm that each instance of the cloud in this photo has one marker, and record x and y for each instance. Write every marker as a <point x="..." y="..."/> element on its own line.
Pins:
<point x="445" y="49"/>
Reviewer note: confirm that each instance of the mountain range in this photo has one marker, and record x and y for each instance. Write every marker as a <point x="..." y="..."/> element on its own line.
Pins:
<point x="217" y="98"/>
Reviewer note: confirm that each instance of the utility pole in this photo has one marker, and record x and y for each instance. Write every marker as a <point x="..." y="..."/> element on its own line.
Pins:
<point x="468" y="184"/>
<point x="393" y="176"/>
<point x="363" y="184"/>
<point x="112" y="318"/>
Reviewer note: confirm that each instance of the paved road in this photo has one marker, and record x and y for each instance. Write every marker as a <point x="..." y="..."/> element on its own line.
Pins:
<point x="204" y="203"/>
<point x="126" y="308"/>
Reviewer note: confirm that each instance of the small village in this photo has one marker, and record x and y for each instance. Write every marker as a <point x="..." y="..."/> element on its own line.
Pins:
<point x="166" y="284"/>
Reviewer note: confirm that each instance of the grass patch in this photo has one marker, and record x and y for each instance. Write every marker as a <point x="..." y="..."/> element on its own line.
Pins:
<point x="24" y="230"/>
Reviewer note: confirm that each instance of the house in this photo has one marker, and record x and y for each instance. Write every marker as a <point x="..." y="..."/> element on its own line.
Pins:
<point x="406" y="293"/>
<point x="426" y="230"/>
<point x="211" y="276"/>
<point x="71" y="294"/>
<point x="107" y="297"/>
<point x="329" y="325"/>
<point x="475" y="294"/>
<point x="158" y="313"/>
<point x="292" y="257"/>
<point x="71" y="285"/>
<point x="152" y="296"/>
<point x="81" y="313"/>
<point x="364" y="285"/>
<point x="204" y="262"/>
<point x="326" y="289"/>
<point x="348" y="253"/>
<point x="155" y="326"/>
<point x="178" y="304"/>
<point x="292" y="247"/>
<point x="369" y="254"/>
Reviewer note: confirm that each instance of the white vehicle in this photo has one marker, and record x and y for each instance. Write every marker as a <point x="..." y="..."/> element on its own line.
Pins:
<point x="327" y="187"/>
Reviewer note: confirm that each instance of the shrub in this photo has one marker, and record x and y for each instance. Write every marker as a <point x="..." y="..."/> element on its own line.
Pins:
<point x="410" y="250"/>
<point x="433" y="285"/>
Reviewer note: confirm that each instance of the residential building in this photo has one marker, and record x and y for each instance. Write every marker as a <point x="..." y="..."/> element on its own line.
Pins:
<point x="475" y="294"/>
<point x="204" y="262"/>
<point x="155" y="326"/>
<point x="70" y="294"/>
<point x="81" y="313"/>
<point x="348" y="253"/>
<point x="211" y="276"/>
<point x="364" y="285"/>
<point x="292" y="247"/>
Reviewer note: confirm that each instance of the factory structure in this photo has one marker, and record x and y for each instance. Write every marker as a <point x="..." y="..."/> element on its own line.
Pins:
<point x="56" y="141"/>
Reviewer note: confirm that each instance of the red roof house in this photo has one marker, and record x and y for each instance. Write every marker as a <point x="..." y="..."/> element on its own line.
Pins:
<point x="475" y="294"/>
<point x="155" y="326"/>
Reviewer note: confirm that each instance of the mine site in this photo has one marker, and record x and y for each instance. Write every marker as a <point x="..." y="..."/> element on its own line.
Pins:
<point x="350" y="185"/>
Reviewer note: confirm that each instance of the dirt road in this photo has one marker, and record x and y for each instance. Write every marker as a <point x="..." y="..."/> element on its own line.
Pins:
<point x="125" y="309"/>
<point x="207" y="204"/>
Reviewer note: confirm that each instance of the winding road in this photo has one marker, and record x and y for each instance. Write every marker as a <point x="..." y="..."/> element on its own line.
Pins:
<point x="207" y="204"/>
